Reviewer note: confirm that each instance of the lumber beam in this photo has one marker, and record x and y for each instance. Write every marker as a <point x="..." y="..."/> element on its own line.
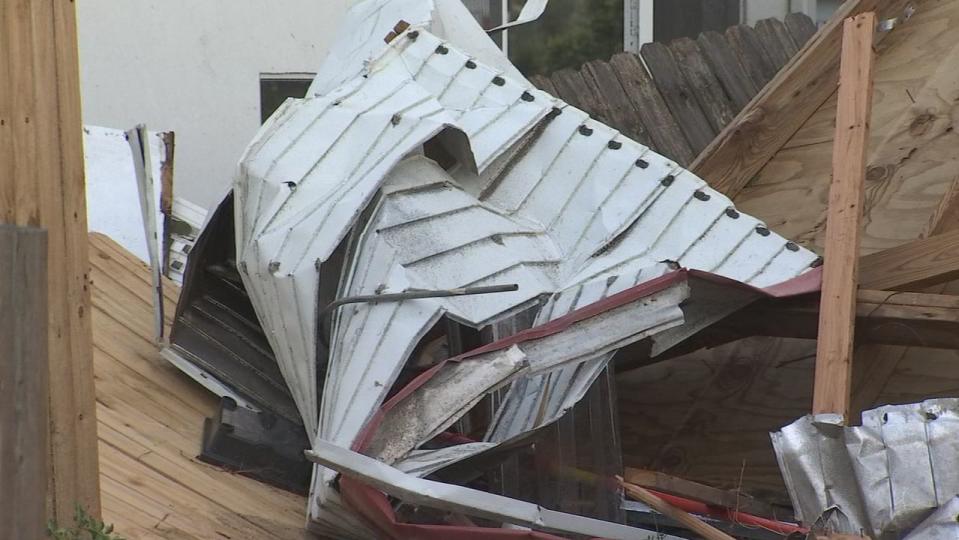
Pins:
<point x="882" y="317"/>
<point x="831" y="393"/>
<point x="777" y="112"/>
<point x="684" y="518"/>
<point x="914" y="266"/>
<point x="722" y="498"/>
<point x="24" y="465"/>
<point x="42" y="185"/>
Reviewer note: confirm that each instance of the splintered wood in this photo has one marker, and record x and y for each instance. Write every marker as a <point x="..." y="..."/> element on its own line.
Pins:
<point x="844" y="218"/>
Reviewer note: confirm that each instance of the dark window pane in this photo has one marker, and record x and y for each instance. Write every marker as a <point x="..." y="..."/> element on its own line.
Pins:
<point x="273" y="92"/>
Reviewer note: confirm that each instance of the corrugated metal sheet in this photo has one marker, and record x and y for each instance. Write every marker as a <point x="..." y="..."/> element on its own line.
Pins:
<point x="541" y="196"/>
<point x="884" y="477"/>
<point x="458" y="387"/>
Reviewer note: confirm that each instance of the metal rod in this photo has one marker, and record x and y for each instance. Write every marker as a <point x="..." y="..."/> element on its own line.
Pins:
<point x="417" y="294"/>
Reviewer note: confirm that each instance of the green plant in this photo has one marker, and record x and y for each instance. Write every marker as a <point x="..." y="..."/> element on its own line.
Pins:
<point x="85" y="527"/>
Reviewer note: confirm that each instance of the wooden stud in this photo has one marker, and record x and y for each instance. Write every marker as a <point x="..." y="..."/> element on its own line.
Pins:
<point x="685" y="519"/>
<point x="42" y="184"/>
<point x="844" y="220"/>
<point x="914" y="266"/>
<point x="24" y="385"/>
<point x="722" y="498"/>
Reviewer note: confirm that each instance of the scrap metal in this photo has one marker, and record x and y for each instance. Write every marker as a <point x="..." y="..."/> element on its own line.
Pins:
<point x="883" y="478"/>
<point x="436" y="166"/>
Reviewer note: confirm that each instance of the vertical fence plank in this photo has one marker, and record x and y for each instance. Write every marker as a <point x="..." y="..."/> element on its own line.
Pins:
<point x="24" y="382"/>
<point x="667" y="138"/>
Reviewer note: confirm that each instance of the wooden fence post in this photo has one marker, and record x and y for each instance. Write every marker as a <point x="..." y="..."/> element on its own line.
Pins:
<point x="42" y="185"/>
<point x="24" y="382"/>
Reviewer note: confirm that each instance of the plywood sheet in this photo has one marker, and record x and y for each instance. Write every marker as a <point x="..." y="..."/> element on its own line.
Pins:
<point x="150" y="420"/>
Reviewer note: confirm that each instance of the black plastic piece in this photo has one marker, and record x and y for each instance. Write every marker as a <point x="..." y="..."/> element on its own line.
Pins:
<point x="262" y="446"/>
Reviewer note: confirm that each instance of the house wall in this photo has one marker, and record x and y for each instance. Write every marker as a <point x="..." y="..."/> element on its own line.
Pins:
<point x="193" y="67"/>
<point x="818" y="10"/>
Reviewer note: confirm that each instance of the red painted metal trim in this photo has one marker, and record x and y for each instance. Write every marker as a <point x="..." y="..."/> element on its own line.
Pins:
<point x="726" y="514"/>
<point x="375" y="506"/>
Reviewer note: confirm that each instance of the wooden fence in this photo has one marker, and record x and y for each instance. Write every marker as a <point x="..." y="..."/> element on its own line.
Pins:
<point x="688" y="90"/>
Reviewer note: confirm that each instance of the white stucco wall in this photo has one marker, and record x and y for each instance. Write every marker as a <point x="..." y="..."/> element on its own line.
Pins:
<point x="193" y="67"/>
<point x="756" y="10"/>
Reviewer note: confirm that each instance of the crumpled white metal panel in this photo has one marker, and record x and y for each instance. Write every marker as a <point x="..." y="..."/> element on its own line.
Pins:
<point x="543" y="197"/>
<point x="365" y="25"/>
<point x="458" y="386"/>
<point x="883" y="477"/>
<point x="318" y="162"/>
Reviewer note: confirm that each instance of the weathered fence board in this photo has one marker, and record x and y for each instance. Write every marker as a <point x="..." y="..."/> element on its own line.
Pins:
<point x="24" y="382"/>
<point x="678" y="96"/>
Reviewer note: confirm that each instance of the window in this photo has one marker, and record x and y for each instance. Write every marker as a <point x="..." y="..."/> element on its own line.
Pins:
<point x="489" y="13"/>
<point x="277" y="88"/>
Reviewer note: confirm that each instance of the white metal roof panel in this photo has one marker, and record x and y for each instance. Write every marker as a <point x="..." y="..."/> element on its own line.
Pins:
<point x="547" y="199"/>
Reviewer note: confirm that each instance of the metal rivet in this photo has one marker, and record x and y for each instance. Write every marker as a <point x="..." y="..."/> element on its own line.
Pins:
<point x="291" y="185"/>
<point x="413" y="35"/>
<point x="701" y="195"/>
<point x="614" y="145"/>
<point x="642" y="163"/>
<point x="470" y="64"/>
<point x="556" y="111"/>
<point x="791" y="246"/>
<point x="762" y="231"/>
<point x="499" y="81"/>
<point x="527" y="97"/>
<point x="817" y="263"/>
<point x="442" y="50"/>
<point x="274" y="266"/>
<point x="584" y="130"/>
<point x="668" y="181"/>
<point x="396" y="119"/>
<point x="732" y="213"/>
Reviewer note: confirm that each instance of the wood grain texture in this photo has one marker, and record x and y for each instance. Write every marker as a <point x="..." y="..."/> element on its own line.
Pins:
<point x="748" y="46"/>
<point x="800" y="27"/>
<point x="706" y="416"/>
<point x="771" y="37"/>
<point x="150" y="418"/>
<point x="622" y="114"/>
<point x="24" y="381"/>
<point x="914" y="266"/>
<point x="782" y="107"/>
<point x="705" y="86"/>
<point x="665" y="133"/>
<point x="909" y="58"/>
<point x="42" y="184"/>
<point x="678" y="95"/>
<point x="883" y="317"/>
<point x="837" y="313"/>
<point x="728" y="68"/>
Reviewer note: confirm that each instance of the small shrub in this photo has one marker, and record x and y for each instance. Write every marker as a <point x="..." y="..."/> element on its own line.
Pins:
<point x="85" y="527"/>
